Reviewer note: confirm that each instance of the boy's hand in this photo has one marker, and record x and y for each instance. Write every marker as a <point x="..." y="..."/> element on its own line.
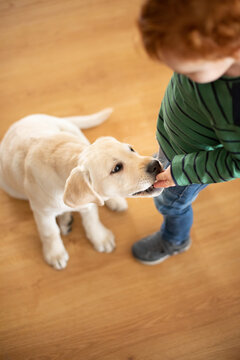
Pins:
<point x="164" y="179"/>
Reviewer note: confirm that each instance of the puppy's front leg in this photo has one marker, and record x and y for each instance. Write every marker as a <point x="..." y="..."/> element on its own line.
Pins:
<point x="117" y="204"/>
<point x="100" y="237"/>
<point x="54" y="251"/>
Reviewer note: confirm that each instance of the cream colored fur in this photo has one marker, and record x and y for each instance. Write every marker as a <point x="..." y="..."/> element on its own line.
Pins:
<point x="48" y="161"/>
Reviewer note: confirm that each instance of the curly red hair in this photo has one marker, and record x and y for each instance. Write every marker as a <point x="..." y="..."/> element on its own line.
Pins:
<point x="191" y="28"/>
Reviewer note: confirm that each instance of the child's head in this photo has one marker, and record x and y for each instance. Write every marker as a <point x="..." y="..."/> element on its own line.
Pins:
<point x="199" y="38"/>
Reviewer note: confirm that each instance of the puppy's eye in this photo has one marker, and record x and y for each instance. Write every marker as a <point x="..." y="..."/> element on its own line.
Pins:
<point x="131" y="149"/>
<point x="117" y="168"/>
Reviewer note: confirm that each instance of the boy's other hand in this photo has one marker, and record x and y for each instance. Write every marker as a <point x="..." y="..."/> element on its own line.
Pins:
<point x="164" y="179"/>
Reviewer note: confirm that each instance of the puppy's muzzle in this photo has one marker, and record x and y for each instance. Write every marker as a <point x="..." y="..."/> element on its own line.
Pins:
<point x="154" y="168"/>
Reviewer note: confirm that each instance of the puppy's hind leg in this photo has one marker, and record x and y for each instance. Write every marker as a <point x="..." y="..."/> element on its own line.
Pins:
<point x="117" y="204"/>
<point x="54" y="251"/>
<point x="65" y="223"/>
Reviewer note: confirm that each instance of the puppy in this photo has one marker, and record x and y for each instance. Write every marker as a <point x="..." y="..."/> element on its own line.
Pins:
<point x="49" y="162"/>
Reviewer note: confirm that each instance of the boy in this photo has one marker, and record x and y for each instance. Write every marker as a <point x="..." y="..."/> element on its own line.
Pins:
<point x="199" y="121"/>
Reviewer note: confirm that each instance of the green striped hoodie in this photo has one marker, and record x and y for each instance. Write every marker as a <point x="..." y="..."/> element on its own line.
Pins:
<point x="199" y="130"/>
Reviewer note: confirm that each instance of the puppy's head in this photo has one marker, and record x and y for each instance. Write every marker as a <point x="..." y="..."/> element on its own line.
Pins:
<point x="109" y="168"/>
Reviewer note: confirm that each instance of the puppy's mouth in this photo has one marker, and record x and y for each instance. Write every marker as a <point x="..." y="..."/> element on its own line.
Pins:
<point x="151" y="191"/>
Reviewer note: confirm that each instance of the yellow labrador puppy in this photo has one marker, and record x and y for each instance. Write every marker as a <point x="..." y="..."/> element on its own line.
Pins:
<point x="49" y="162"/>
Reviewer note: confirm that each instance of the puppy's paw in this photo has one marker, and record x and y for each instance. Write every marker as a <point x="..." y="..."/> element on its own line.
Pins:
<point x="65" y="223"/>
<point x="107" y="244"/>
<point x="117" y="204"/>
<point x="57" y="259"/>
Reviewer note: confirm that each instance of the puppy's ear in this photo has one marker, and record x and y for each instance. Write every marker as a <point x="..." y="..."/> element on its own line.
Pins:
<point x="78" y="190"/>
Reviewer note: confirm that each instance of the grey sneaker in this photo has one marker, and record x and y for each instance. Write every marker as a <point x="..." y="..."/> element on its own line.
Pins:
<point x="152" y="249"/>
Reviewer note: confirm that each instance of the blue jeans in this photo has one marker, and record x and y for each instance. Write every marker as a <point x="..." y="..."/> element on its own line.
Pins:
<point x="175" y="204"/>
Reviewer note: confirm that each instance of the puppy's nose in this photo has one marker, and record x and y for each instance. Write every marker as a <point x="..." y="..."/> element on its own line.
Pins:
<point x="154" y="168"/>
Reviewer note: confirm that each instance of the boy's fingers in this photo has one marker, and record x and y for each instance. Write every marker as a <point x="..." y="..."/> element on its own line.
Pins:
<point x="161" y="184"/>
<point x="164" y="179"/>
<point x="161" y="176"/>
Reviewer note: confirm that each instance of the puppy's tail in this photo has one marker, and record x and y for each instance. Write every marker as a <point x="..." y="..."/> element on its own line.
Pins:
<point x="88" y="121"/>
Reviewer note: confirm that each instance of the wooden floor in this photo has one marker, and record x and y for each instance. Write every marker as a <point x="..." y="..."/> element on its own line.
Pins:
<point x="76" y="57"/>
